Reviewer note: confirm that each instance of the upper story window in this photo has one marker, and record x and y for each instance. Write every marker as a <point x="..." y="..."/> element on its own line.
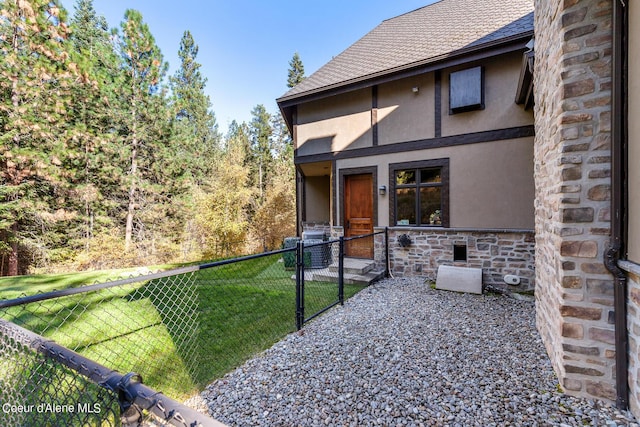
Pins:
<point x="420" y="192"/>
<point x="466" y="90"/>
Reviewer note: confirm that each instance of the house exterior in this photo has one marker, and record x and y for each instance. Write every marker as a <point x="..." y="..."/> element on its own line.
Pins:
<point x="548" y="193"/>
<point x="416" y="127"/>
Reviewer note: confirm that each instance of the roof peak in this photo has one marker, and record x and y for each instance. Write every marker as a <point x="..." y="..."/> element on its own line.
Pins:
<point x="426" y="33"/>
<point x="412" y="11"/>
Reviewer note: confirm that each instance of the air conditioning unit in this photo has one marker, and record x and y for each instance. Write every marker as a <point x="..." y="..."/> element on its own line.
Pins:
<point x="320" y="252"/>
<point x="313" y="235"/>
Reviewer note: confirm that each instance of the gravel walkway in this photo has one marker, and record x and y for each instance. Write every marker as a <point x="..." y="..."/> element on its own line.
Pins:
<point x="400" y="353"/>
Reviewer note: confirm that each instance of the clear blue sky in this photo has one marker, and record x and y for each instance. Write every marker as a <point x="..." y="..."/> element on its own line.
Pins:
<point x="245" y="45"/>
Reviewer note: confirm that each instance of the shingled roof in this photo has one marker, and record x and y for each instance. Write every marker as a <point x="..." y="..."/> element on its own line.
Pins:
<point x="424" y="35"/>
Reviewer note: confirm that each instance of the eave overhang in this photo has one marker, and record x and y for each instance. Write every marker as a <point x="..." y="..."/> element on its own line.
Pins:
<point x="465" y="55"/>
<point x="524" y="93"/>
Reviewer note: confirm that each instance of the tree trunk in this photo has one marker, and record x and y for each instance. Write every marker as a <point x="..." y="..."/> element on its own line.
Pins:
<point x="13" y="255"/>
<point x="14" y="181"/>
<point x="132" y="194"/>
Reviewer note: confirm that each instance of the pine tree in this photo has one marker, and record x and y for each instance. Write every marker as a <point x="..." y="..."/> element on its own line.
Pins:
<point x="35" y="77"/>
<point x="195" y="139"/>
<point x="261" y="152"/>
<point x="282" y="142"/>
<point x="96" y="169"/>
<point x="144" y="71"/>
<point x="296" y="71"/>
<point x="241" y="133"/>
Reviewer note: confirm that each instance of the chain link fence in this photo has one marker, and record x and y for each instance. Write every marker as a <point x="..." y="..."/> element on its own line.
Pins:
<point x="45" y="384"/>
<point x="177" y="330"/>
<point x="35" y="390"/>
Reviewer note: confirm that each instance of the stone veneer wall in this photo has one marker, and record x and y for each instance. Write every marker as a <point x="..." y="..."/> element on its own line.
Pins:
<point x="633" y="326"/>
<point x="574" y="291"/>
<point x="317" y="226"/>
<point x="496" y="252"/>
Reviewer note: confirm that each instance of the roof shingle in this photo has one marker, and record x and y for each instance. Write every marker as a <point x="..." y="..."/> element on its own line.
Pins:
<point x="426" y="33"/>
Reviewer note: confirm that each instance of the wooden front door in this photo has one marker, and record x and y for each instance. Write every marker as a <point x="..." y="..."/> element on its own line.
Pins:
<point x="358" y="214"/>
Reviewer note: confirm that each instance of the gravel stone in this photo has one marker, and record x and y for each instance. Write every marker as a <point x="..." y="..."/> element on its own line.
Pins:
<point x="401" y="353"/>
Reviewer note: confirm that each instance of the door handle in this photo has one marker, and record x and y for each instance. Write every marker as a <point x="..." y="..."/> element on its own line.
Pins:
<point x="348" y="224"/>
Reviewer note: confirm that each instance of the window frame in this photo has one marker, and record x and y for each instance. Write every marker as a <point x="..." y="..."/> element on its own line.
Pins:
<point x="443" y="165"/>
<point x="466" y="107"/>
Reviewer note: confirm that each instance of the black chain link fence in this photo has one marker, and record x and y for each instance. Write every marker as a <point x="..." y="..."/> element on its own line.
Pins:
<point x="45" y="384"/>
<point x="35" y="390"/>
<point x="177" y="330"/>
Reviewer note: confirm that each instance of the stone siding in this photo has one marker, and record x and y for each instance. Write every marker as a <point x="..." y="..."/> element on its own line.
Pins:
<point x="574" y="291"/>
<point x="497" y="253"/>
<point x="317" y="226"/>
<point x="633" y="326"/>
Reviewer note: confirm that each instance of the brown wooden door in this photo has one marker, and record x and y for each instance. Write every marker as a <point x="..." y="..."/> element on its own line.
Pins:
<point x="358" y="214"/>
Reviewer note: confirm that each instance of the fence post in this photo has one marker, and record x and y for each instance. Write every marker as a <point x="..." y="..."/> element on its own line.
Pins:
<point x="299" y="284"/>
<point x="341" y="270"/>
<point x="386" y="252"/>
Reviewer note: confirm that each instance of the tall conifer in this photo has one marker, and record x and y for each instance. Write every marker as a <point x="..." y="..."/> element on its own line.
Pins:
<point x="296" y="71"/>
<point x="261" y="151"/>
<point x="195" y="139"/>
<point x="35" y="77"/>
<point x="144" y="71"/>
<point x="96" y="169"/>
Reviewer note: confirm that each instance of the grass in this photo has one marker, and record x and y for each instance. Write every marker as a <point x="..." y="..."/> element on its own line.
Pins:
<point x="14" y="287"/>
<point x="241" y="308"/>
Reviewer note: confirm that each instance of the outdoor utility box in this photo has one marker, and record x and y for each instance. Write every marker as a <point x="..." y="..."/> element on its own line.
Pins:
<point x="320" y="252"/>
<point x="459" y="279"/>
<point x="314" y="256"/>
<point x="313" y="235"/>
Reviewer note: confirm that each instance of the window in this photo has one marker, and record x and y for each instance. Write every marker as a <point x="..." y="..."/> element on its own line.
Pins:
<point x="420" y="193"/>
<point x="466" y="90"/>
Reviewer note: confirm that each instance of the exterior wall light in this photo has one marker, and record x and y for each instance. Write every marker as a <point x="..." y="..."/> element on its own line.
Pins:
<point x="382" y="190"/>
<point x="415" y="89"/>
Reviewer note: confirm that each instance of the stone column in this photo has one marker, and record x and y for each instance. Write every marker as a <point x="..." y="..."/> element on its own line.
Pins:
<point x="574" y="291"/>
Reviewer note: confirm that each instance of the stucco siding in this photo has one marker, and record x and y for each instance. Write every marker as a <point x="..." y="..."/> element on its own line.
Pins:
<point x="336" y="123"/>
<point x="501" y="81"/>
<point x="491" y="183"/>
<point x="405" y="115"/>
<point x="318" y="198"/>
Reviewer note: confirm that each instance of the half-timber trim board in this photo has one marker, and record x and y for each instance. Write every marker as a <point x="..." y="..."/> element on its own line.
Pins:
<point x="422" y="144"/>
<point x="463" y="56"/>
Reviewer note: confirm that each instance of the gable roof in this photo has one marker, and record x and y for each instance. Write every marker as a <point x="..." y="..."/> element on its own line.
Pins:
<point x="425" y="35"/>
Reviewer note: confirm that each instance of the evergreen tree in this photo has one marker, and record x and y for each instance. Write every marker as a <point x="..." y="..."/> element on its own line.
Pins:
<point x="97" y="169"/>
<point x="90" y="32"/>
<point x="282" y="142"/>
<point x="144" y="71"/>
<point x="261" y="152"/>
<point x="241" y="133"/>
<point x="35" y="77"/>
<point x="296" y="71"/>
<point x="195" y="138"/>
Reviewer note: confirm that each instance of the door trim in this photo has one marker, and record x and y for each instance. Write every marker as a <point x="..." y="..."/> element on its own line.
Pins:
<point x="373" y="170"/>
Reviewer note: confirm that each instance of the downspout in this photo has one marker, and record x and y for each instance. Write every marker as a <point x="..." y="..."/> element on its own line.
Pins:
<point x="618" y="194"/>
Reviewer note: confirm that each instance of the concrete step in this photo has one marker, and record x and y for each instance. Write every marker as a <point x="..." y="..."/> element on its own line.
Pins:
<point x="354" y="266"/>
<point x="349" y="278"/>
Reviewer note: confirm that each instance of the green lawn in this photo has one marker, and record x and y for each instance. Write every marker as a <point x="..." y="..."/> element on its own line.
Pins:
<point x="179" y="333"/>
